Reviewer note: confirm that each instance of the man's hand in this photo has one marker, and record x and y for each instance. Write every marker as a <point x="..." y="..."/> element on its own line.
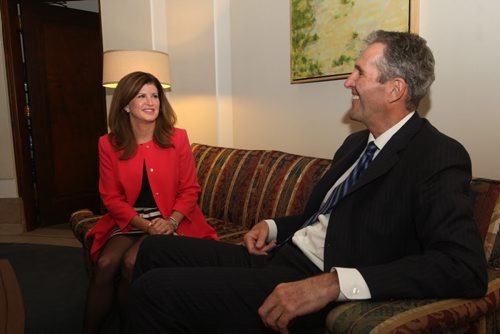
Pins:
<point x="255" y="239"/>
<point x="290" y="300"/>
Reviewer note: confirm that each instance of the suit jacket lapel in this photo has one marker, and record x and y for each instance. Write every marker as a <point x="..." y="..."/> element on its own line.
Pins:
<point x="389" y="155"/>
<point x="342" y="164"/>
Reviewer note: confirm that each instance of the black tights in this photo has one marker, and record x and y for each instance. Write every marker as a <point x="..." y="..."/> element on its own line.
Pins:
<point x="119" y="252"/>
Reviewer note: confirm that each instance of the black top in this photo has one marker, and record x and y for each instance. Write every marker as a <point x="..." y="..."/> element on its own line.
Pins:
<point x="145" y="199"/>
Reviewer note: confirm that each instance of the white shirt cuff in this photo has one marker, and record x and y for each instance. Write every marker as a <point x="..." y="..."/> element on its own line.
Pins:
<point x="273" y="230"/>
<point x="352" y="284"/>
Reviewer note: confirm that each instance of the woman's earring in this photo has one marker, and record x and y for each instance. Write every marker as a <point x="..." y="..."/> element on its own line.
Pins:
<point x="127" y="109"/>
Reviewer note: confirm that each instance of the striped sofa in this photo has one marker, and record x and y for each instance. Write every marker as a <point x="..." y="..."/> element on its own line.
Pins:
<point x="241" y="187"/>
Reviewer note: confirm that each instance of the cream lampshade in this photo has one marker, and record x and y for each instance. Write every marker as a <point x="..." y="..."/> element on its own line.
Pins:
<point x="118" y="63"/>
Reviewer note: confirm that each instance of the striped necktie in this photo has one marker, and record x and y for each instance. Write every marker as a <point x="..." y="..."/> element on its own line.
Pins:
<point x="341" y="190"/>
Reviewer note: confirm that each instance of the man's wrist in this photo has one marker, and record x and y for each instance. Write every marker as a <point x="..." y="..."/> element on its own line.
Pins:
<point x="341" y="297"/>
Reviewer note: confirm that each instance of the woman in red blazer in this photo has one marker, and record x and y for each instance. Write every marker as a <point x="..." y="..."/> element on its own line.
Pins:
<point x="147" y="183"/>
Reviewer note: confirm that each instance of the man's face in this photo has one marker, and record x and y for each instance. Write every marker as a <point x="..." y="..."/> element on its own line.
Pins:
<point x="368" y="94"/>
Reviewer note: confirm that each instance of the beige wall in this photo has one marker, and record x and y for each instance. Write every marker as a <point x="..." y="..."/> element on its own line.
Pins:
<point x="269" y="112"/>
<point x="465" y="97"/>
<point x="190" y="36"/>
<point x="126" y="24"/>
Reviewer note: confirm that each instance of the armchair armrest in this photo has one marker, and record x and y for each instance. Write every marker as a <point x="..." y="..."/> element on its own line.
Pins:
<point x="411" y="315"/>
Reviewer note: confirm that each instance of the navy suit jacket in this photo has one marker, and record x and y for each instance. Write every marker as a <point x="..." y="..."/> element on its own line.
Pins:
<point x="406" y="224"/>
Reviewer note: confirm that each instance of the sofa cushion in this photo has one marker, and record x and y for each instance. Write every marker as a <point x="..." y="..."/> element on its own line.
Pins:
<point x="227" y="231"/>
<point x="285" y="183"/>
<point x="245" y="186"/>
<point x="227" y="178"/>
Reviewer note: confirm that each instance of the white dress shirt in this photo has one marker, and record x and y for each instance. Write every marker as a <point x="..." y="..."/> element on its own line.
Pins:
<point x="311" y="239"/>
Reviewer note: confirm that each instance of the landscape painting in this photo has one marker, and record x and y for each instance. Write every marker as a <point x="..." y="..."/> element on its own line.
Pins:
<point x="328" y="35"/>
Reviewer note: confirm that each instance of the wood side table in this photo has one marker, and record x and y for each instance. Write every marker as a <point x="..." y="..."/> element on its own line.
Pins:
<point x="11" y="301"/>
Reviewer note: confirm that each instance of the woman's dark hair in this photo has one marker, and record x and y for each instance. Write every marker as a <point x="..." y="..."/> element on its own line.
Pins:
<point x="121" y="135"/>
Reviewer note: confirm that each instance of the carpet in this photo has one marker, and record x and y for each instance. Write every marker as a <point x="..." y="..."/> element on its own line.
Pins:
<point x="53" y="282"/>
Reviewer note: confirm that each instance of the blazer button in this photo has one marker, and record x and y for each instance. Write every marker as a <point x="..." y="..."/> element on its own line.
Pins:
<point x="157" y="194"/>
<point x="147" y="146"/>
<point x="151" y="170"/>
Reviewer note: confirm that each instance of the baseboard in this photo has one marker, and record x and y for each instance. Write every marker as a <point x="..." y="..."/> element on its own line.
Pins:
<point x="12" y="216"/>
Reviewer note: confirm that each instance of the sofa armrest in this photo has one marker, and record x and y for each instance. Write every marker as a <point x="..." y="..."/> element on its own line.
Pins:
<point x="81" y="222"/>
<point x="410" y="316"/>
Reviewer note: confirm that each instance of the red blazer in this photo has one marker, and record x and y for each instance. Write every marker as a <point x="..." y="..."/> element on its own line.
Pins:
<point x="173" y="181"/>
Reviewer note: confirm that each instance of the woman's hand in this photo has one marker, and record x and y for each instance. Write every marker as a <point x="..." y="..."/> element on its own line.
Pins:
<point x="160" y="226"/>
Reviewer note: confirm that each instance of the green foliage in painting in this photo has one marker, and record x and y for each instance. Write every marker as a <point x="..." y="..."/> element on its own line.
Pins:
<point x="302" y="36"/>
<point x="348" y="2"/>
<point x="346" y="59"/>
<point x="343" y="59"/>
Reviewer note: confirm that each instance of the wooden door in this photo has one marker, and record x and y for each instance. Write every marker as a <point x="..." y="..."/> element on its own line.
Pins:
<point x="63" y="55"/>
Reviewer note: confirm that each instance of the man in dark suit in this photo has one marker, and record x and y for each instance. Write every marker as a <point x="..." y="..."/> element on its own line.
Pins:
<point x="392" y="218"/>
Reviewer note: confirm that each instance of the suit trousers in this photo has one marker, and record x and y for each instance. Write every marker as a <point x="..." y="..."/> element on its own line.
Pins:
<point x="189" y="285"/>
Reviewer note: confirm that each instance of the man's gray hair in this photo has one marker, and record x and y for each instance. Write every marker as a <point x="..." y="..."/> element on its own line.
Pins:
<point x="407" y="56"/>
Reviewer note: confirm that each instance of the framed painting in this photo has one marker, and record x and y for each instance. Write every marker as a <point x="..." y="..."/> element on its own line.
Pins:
<point x="328" y="35"/>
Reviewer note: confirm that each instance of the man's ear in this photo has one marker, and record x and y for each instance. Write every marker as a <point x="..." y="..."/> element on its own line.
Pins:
<point x="398" y="89"/>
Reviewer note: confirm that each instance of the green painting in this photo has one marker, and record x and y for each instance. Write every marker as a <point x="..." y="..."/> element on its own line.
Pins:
<point x="327" y="35"/>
